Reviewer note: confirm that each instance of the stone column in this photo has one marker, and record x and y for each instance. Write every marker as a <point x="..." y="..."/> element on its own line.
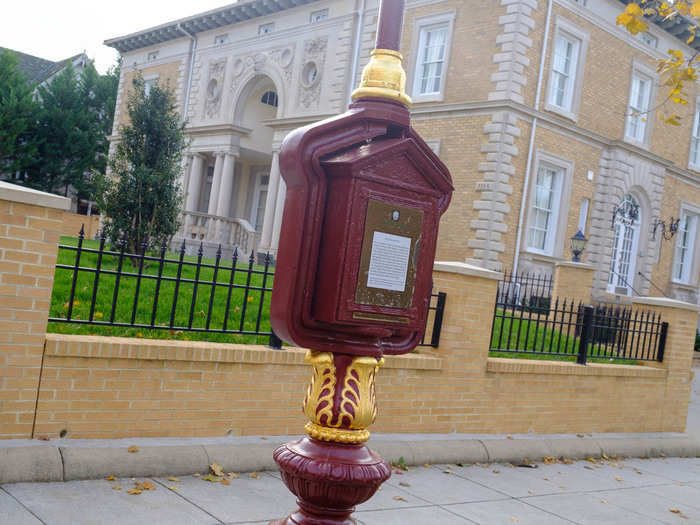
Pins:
<point x="194" y="184"/>
<point x="270" y="204"/>
<point x="279" y="209"/>
<point x="223" y="207"/>
<point x="216" y="184"/>
<point x="30" y="226"/>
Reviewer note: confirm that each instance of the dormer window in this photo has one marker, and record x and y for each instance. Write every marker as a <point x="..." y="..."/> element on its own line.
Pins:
<point x="649" y="40"/>
<point x="153" y="55"/>
<point x="220" y="39"/>
<point x="266" y="29"/>
<point x="318" y="16"/>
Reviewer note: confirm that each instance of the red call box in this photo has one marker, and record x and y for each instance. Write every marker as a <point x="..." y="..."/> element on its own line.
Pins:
<point x="364" y="198"/>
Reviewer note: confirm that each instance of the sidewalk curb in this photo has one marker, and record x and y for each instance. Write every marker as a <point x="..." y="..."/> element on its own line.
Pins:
<point x="66" y="463"/>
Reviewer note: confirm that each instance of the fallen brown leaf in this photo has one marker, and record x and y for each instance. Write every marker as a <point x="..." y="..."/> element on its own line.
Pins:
<point x="264" y="438"/>
<point x="496" y="471"/>
<point x="110" y="478"/>
<point x="567" y="461"/>
<point x="172" y="487"/>
<point x="196" y="475"/>
<point x="216" y="469"/>
<point x="116" y="487"/>
<point x="44" y="438"/>
<point x="447" y="471"/>
<point x="426" y="465"/>
<point x="399" y="498"/>
<point x="144" y="485"/>
<point x="592" y="460"/>
<point x="211" y="478"/>
<point x="404" y="484"/>
<point x="532" y="492"/>
<point x="132" y="449"/>
<point x="514" y="519"/>
<point x="678" y="511"/>
<point x="618" y="478"/>
<point x="254" y="475"/>
<point x="547" y="460"/>
<point x="173" y="478"/>
<point x="224" y="481"/>
<point x="509" y="437"/>
<point x="133" y="492"/>
<point x="233" y="475"/>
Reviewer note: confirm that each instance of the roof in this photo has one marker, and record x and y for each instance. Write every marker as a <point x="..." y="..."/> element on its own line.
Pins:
<point x="38" y="69"/>
<point x="679" y="26"/>
<point x="223" y="16"/>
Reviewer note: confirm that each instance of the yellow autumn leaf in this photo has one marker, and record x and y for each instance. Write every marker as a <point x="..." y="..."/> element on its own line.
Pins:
<point x="254" y="475"/>
<point x="133" y="492"/>
<point x="173" y="478"/>
<point x="216" y="469"/>
<point x="116" y="487"/>
<point x="172" y="487"/>
<point x="110" y="478"/>
<point x="695" y="9"/>
<point x="132" y="449"/>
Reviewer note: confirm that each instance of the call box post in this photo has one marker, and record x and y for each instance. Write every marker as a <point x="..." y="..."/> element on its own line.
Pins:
<point x="364" y="199"/>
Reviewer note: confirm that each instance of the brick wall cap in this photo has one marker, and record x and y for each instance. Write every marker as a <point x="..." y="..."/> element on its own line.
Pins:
<point x="665" y="302"/>
<point x="466" y="269"/>
<point x="15" y="193"/>
<point x="580" y="266"/>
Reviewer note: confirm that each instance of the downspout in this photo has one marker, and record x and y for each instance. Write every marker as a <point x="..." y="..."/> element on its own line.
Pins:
<point x="193" y="48"/>
<point x="356" y="50"/>
<point x="531" y="146"/>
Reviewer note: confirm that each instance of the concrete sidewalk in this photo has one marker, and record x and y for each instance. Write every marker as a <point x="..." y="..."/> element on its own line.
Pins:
<point x="630" y="491"/>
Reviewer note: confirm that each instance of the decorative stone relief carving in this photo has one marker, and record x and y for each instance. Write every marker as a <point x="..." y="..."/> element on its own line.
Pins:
<point x="280" y="56"/>
<point x="311" y="71"/>
<point x="214" y="88"/>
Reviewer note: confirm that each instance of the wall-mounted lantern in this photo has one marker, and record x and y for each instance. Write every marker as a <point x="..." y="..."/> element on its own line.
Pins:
<point x="668" y="230"/>
<point x="577" y="243"/>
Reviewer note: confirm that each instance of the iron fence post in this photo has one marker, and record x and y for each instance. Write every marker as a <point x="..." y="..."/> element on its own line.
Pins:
<point x="586" y="329"/>
<point x="662" y="342"/>
<point x="437" y="322"/>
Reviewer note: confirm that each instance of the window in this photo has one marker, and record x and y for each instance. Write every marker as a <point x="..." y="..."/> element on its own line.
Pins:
<point x="545" y="209"/>
<point x="625" y="242"/>
<point x="318" y="16"/>
<point x="640" y="95"/>
<point x="430" y="64"/>
<point x="266" y="29"/>
<point x="259" y="200"/>
<point x="564" y="66"/>
<point x="153" y="55"/>
<point x="220" y="39"/>
<point x="148" y="84"/>
<point x="685" y="245"/>
<point x="649" y="40"/>
<point x="694" y="160"/>
<point x="270" y="98"/>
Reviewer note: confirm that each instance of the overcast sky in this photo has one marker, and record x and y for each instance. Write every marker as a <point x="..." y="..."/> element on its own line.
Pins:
<point x="58" y="29"/>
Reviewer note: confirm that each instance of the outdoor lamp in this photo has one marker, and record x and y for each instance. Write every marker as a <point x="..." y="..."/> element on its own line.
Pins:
<point x="577" y="243"/>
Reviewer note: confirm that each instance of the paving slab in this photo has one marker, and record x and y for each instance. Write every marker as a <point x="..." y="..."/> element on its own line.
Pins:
<point x="652" y="505"/>
<point x="622" y="473"/>
<point x="673" y="469"/>
<point x="11" y="511"/>
<point x="588" y="509"/>
<point x="245" y="499"/>
<point x="506" y="512"/>
<point x="412" y="516"/>
<point x="678" y="493"/>
<point x="511" y="481"/>
<point x="433" y="485"/>
<point x="96" y="503"/>
<point x="393" y="497"/>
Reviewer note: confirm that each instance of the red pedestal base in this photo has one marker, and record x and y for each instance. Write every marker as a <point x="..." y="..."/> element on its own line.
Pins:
<point x="329" y="479"/>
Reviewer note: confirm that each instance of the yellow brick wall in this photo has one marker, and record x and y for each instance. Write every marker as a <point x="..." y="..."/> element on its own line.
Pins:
<point x="95" y="387"/>
<point x="167" y="77"/>
<point x="28" y="244"/>
<point x="73" y="222"/>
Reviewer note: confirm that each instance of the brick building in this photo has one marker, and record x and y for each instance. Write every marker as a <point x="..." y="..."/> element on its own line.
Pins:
<point x="542" y="109"/>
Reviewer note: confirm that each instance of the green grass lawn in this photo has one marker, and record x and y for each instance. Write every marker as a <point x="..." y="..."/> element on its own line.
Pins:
<point x="241" y="307"/>
<point x="536" y="334"/>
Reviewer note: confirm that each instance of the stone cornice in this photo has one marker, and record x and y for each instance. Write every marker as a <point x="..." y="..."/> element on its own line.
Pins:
<point x="550" y="121"/>
<point x="218" y="129"/>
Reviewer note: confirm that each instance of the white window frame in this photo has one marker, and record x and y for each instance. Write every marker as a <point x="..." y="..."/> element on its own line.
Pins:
<point x="266" y="29"/>
<point x="583" y="214"/>
<point x="650" y="40"/>
<point x="689" y="271"/>
<point x="566" y="30"/>
<point x="613" y="274"/>
<point x="694" y="153"/>
<point x="420" y="25"/>
<point x="318" y="16"/>
<point x="149" y="81"/>
<point x="643" y="72"/>
<point x="554" y="241"/>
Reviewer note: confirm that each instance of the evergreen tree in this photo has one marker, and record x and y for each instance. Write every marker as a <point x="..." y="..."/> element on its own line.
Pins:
<point x="142" y="197"/>
<point x="18" y="112"/>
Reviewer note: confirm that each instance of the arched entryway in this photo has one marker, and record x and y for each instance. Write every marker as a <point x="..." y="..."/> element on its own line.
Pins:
<point x="625" y="249"/>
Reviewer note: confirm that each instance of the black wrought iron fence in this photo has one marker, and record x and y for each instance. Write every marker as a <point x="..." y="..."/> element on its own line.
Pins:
<point x="568" y="329"/>
<point x="527" y="290"/>
<point x="104" y="285"/>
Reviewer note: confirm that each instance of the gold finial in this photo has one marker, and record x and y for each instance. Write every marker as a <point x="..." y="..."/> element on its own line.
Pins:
<point x="383" y="77"/>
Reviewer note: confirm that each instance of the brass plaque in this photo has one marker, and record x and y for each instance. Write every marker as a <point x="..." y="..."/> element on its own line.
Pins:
<point x="389" y="255"/>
